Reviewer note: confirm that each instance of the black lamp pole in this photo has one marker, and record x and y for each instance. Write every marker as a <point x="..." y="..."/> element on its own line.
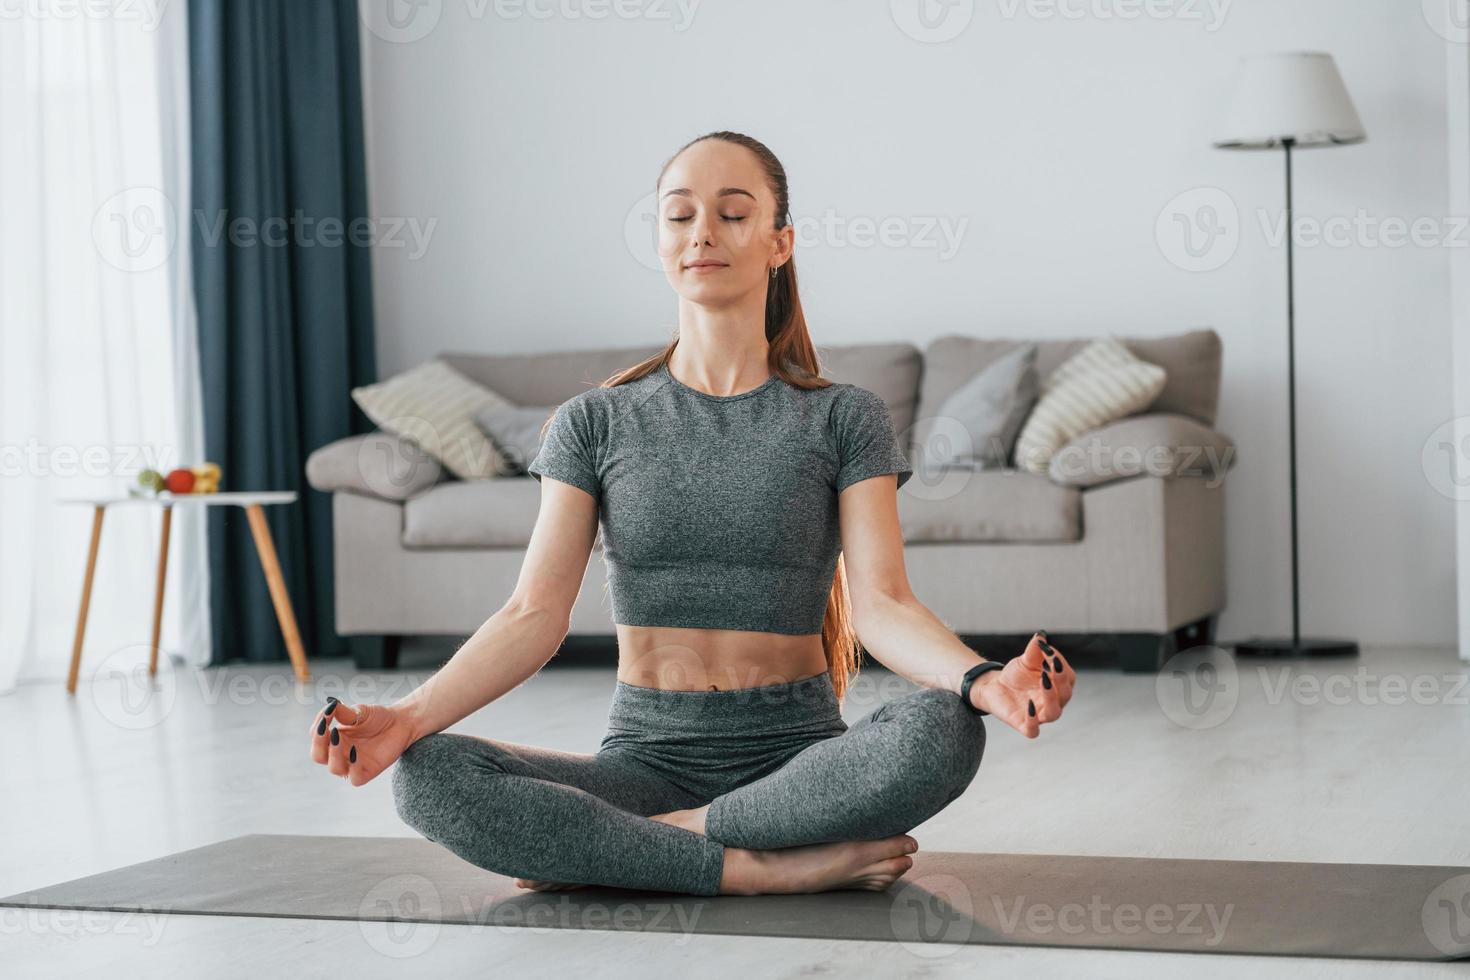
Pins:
<point x="1296" y="602"/>
<point x="1294" y="100"/>
<point x="1296" y="646"/>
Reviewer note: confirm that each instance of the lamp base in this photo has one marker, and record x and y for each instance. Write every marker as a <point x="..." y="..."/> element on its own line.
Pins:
<point x="1308" y="647"/>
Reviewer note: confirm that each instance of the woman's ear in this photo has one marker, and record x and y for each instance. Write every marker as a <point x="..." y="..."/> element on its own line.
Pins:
<point x="785" y="243"/>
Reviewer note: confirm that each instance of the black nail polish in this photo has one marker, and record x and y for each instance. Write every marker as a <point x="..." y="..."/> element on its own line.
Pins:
<point x="352" y="756"/>
<point x="1046" y="646"/>
<point x="1059" y="665"/>
<point x="1046" y="681"/>
<point x="1031" y="708"/>
<point x="331" y="706"/>
<point x="336" y="735"/>
<point x="1042" y="634"/>
<point x="322" y="728"/>
<point x="1045" y="665"/>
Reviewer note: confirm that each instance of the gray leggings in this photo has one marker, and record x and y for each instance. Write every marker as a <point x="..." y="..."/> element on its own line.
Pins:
<point x="777" y="764"/>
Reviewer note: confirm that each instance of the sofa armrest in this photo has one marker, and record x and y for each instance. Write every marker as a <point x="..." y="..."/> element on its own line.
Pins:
<point x="1154" y="550"/>
<point x="375" y="465"/>
<point x="1160" y="444"/>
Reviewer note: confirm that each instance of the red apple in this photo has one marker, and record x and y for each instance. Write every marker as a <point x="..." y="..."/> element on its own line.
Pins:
<point x="180" y="481"/>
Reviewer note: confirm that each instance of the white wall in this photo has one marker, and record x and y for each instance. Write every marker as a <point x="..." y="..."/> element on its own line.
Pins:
<point x="1058" y="139"/>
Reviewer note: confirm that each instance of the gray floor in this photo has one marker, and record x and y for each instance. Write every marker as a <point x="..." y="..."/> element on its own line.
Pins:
<point x="1362" y="760"/>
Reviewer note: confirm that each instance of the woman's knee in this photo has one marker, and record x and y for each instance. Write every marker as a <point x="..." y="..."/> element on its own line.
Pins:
<point x="424" y="776"/>
<point x="945" y="740"/>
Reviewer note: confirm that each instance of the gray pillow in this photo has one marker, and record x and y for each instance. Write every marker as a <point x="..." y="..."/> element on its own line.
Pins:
<point x="515" y="430"/>
<point x="976" y="427"/>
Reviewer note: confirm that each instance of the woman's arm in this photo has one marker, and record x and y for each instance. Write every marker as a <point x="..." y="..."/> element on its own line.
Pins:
<point x="905" y="635"/>
<point x="525" y="633"/>
<point x="360" y="741"/>
<point x="508" y="649"/>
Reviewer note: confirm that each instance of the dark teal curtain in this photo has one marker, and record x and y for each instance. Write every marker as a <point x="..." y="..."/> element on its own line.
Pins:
<point x="283" y="289"/>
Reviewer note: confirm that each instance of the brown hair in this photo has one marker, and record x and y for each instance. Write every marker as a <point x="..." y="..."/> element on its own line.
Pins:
<point x="792" y="356"/>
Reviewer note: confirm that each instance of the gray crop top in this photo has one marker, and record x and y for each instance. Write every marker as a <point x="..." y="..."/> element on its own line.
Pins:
<point x="720" y="511"/>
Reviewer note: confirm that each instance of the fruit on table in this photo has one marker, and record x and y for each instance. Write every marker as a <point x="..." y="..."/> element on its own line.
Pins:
<point x="206" y="478"/>
<point x="180" y="481"/>
<point x="203" y="478"/>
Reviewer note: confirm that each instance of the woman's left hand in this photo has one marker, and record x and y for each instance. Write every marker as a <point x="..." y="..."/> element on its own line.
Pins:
<point x="359" y="741"/>
<point x="1030" y="690"/>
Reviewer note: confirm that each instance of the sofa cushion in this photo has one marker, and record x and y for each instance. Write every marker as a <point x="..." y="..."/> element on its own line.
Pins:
<point x="434" y="406"/>
<point x="1159" y="444"/>
<point x="977" y="425"/>
<point x="377" y="464"/>
<point x="1191" y="361"/>
<point x="1101" y="383"/>
<point x="990" y="505"/>
<point x="515" y="430"/>
<point x="473" y="514"/>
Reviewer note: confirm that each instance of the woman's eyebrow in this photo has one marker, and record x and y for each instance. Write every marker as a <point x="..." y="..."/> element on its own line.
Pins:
<point x="723" y="192"/>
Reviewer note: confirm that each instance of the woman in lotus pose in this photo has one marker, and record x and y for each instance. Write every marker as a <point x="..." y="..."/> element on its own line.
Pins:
<point x="750" y="529"/>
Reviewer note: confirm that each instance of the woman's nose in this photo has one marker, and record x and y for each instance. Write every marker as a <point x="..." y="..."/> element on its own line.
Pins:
<point x="701" y="230"/>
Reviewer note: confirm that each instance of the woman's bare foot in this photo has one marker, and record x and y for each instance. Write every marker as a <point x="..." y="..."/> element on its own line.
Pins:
<point x="546" y="886"/>
<point x="868" y="865"/>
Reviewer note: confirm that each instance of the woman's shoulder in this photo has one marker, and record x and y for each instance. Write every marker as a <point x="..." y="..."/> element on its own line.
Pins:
<point x="599" y="406"/>
<point x="857" y="412"/>
<point x="849" y="397"/>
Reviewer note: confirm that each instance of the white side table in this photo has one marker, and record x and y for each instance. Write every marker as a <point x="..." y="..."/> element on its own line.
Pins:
<point x="252" y="501"/>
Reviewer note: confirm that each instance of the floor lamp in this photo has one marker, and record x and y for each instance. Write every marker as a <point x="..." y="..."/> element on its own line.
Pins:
<point x="1292" y="101"/>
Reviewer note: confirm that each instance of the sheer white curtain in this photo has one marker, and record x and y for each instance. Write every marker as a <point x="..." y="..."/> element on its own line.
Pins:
<point x="98" y="360"/>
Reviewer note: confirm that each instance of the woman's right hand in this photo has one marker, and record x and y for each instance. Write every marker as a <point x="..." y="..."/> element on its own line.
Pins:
<point x="1030" y="690"/>
<point x="359" y="741"/>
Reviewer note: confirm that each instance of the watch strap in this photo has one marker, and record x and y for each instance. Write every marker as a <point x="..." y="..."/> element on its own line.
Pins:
<point x="970" y="676"/>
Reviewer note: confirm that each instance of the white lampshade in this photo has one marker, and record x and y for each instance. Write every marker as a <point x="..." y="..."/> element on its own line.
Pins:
<point x="1298" y="96"/>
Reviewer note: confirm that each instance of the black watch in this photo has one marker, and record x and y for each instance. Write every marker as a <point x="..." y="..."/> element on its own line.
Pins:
<point x="970" y="676"/>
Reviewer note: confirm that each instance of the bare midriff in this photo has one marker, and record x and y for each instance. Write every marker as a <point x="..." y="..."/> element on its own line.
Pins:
<point x="676" y="658"/>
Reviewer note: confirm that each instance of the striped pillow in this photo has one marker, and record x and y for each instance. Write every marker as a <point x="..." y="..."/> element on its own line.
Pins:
<point x="433" y="406"/>
<point x="1101" y="383"/>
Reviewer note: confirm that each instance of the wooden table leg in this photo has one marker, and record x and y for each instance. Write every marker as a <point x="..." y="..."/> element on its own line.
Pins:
<point x="267" y="551"/>
<point x="76" y="646"/>
<point x="168" y="514"/>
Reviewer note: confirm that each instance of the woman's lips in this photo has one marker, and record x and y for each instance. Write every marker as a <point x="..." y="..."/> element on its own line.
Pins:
<point x="714" y="267"/>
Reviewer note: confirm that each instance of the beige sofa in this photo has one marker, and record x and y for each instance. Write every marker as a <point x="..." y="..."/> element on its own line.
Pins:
<point x="1123" y="540"/>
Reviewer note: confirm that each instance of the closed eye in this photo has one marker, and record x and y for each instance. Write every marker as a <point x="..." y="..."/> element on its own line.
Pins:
<point x="727" y="217"/>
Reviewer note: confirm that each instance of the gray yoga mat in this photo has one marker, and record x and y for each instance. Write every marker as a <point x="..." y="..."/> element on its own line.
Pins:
<point x="1415" y="912"/>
